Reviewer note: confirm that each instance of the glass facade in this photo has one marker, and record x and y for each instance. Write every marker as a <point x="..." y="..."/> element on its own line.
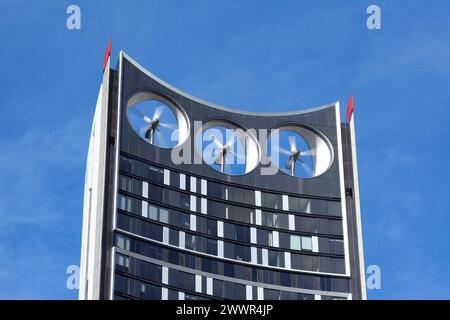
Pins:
<point x="187" y="237"/>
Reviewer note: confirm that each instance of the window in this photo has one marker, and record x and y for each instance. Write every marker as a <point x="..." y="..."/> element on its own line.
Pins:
<point x="125" y="183"/>
<point x="242" y="253"/>
<point x="216" y="190"/>
<point x="185" y="201"/>
<point x="284" y="240"/>
<point x="172" y="294"/>
<point x="122" y="260"/>
<point x="271" y="200"/>
<point x="153" y="212"/>
<point x="207" y="265"/>
<point x="207" y="226"/>
<point x="262" y="236"/>
<point x="275" y="220"/>
<point x="237" y="213"/>
<point x="187" y="183"/>
<point x="299" y="205"/>
<point x="241" y="195"/>
<point x="183" y="280"/>
<point x="242" y="233"/>
<point x="158" y="213"/>
<point x="218" y="288"/>
<point x="123" y="242"/>
<point x="276" y="258"/>
<point x="336" y="246"/>
<point x="295" y="242"/>
<point x="283" y="221"/>
<point x="306" y="243"/>
<point x="211" y="246"/>
<point x="285" y="295"/>
<point x="154" y="192"/>
<point x="163" y="215"/>
<point x="334" y="208"/>
<point x="236" y="251"/>
<point x="175" y="180"/>
<point x="231" y="193"/>
<point x="121" y="283"/>
<point x="270" y="294"/>
<point x="125" y="203"/>
<point x="174" y="237"/>
<point x="228" y="230"/>
<point x="137" y="226"/>
<point x="234" y="291"/>
<point x="270" y="239"/>
<point x="236" y="232"/>
<point x="190" y="242"/>
<point x="183" y="219"/>
<point x="268" y="219"/>
<point x="126" y="164"/>
<point x="155" y="174"/>
<point x="228" y="250"/>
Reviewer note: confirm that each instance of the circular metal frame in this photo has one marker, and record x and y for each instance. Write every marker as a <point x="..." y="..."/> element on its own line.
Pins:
<point x="324" y="155"/>
<point x="246" y="137"/>
<point x="180" y="115"/>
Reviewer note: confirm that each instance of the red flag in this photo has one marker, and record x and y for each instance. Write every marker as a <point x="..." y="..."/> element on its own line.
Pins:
<point x="350" y="108"/>
<point x="106" y="56"/>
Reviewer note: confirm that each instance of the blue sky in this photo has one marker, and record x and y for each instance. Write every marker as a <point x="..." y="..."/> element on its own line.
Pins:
<point x="252" y="55"/>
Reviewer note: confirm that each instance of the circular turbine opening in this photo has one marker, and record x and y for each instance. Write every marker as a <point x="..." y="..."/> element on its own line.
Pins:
<point x="299" y="151"/>
<point x="227" y="148"/>
<point x="157" y="120"/>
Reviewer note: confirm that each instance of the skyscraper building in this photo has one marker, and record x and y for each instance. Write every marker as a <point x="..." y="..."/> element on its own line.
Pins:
<point x="187" y="200"/>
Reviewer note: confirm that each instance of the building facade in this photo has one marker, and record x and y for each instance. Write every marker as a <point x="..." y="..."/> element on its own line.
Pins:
<point x="155" y="228"/>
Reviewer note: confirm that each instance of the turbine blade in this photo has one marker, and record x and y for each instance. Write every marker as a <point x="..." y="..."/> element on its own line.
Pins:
<point x="240" y="157"/>
<point x="160" y="137"/>
<point x="231" y="141"/>
<point x="158" y="111"/>
<point x="311" y="152"/>
<point x="279" y="149"/>
<point x="307" y="169"/>
<point x="217" y="143"/>
<point x="143" y="130"/>
<point x="292" y="143"/>
<point x="229" y="158"/>
<point x="171" y="126"/>
<point x="140" y="115"/>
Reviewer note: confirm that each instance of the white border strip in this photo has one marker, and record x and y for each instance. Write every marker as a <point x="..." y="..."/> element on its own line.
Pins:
<point x="116" y="175"/>
<point x="358" y="210"/>
<point x="342" y="186"/>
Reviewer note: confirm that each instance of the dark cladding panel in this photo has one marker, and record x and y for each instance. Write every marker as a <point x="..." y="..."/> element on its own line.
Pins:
<point x="324" y="120"/>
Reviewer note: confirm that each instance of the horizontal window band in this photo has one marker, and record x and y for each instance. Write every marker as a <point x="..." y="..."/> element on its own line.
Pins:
<point x="205" y="235"/>
<point x="162" y="285"/>
<point x="187" y="211"/>
<point x="229" y="260"/>
<point x="232" y="279"/>
<point x="237" y="204"/>
<point x="227" y="183"/>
